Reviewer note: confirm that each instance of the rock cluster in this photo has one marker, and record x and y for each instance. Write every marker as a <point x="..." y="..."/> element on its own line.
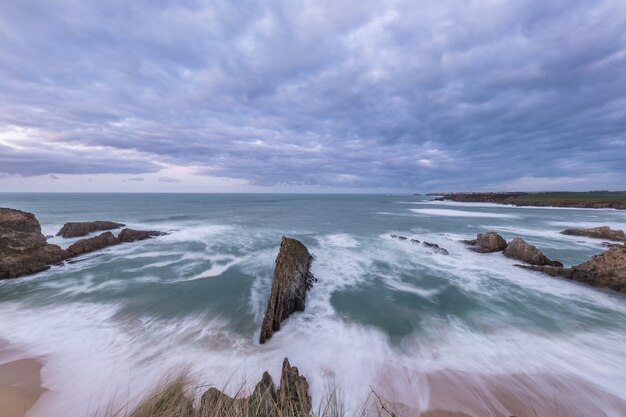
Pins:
<point x="78" y="229"/>
<point x="292" y="398"/>
<point x="487" y="242"/>
<point x="24" y="250"/>
<point x="606" y="270"/>
<point x="602" y="232"/>
<point x="525" y="252"/>
<point x="292" y="279"/>
<point x="432" y="246"/>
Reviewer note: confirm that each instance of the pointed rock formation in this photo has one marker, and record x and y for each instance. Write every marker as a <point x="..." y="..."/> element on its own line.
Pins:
<point x="487" y="242"/>
<point x="519" y="249"/>
<point x="78" y="229"/>
<point x="602" y="232"/>
<point x="607" y="270"/>
<point x="292" y="398"/>
<point x="292" y="279"/>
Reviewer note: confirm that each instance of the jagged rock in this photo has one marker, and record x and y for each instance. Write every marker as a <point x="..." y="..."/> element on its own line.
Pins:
<point x="78" y="229"/>
<point x="519" y="249"/>
<point x="436" y="248"/>
<point x="23" y="248"/>
<point x="602" y="232"/>
<point x="130" y="235"/>
<point x="292" y="279"/>
<point x="292" y="398"/>
<point x="93" y="243"/>
<point x="611" y="245"/>
<point x="432" y="246"/>
<point x="607" y="270"/>
<point x="487" y="242"/>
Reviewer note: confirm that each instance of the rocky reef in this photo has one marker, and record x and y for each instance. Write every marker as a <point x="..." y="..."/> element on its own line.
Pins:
<point x="78" y="229"/>
<point x="292" y="279"/>
<point x="601" y="232"/>
<point x="606" y="270"/>
<point x="519" y="249"/>
<point x="433" y="247"/>
<point x="291" y="398"/>
<point x="24" y="250"/>
<point x="487" y="242"/>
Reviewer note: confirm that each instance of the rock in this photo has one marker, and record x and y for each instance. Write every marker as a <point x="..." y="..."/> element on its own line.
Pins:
<point x="487" y="242"/>
<point x="23" y="248"/>
<point x="436" y="248"/>
<point x="292" y="279"/>
<point x="602" y="232"/>
<point x="130" y="235"/>
<point x="93" y="243"/>
<point x="519" y="249"/>
<point x="607" y="270"/>
<point x="611" y="245"/>
<point x="432" y="246"/>
<point x="78" y="229"/>
<point x="292" y="398"/>
<point x="293" y="394"/>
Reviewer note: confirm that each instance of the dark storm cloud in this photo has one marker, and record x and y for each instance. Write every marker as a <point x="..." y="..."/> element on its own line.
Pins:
<point x="435" y="95"/>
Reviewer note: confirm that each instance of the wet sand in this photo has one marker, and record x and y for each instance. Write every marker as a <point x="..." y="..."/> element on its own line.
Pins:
<point x="20" y="386"/>
<point x="463" y="394"/>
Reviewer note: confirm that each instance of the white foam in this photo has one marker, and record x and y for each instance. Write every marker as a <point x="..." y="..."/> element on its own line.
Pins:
<point x="461" y="213"/>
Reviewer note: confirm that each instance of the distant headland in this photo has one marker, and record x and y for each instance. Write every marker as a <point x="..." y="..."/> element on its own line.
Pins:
<point x="586" y="199"/>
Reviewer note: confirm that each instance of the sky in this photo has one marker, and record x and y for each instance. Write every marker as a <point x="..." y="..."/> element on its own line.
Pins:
<point x="312" y="96"/>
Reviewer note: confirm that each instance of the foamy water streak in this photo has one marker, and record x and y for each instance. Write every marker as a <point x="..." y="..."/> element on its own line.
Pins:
<point x="384" y="313"/>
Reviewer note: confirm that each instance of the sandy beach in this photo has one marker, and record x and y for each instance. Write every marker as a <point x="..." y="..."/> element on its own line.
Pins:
<point x="20" y="385"/>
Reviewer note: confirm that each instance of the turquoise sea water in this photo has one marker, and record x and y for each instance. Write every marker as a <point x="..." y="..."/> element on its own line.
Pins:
<point x="115" y="320"/>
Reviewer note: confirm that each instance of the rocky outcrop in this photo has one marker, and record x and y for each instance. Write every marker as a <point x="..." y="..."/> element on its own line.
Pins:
<point x="292" y="398"/>
<point x="520" y="250"/>
<point x="602" y="232"/>
<point x="292" y="279"/>
<point x="23" y="248"/>
<point x="487" y="242"/>
<point x="433" y="247"/>
<point x="607" y="270"/>
<point x="130" y="235"/>
<point x="93" y="243"/>
<point x="78" y="229"/>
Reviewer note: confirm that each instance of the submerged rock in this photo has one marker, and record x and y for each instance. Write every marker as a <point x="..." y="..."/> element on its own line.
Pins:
<point x="23" y="248"/>
<point x="292" y="398"/>
<point x="432" y="246"/>
<point x="519" y="249"/>
<point x="93" y="243"/>
<point x="78" y="229"/>
<point x="130" y="235"/>
<point x="487" y="242"/>
<point x="606" y="270"/>
<point x="602" y="232"/>
<point x="292" y="279"/>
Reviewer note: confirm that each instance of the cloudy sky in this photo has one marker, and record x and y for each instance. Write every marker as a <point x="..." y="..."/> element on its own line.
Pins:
<point x="320" y="95"/>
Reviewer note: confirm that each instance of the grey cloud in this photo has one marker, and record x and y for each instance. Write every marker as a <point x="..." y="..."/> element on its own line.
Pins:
<point x="338" y="93"/>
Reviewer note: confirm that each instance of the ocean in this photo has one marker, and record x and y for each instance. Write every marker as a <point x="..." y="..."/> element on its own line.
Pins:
<point x="384" y="315"/>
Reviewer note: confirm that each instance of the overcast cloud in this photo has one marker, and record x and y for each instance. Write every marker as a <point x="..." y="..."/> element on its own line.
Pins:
<point x="371" y="95"/>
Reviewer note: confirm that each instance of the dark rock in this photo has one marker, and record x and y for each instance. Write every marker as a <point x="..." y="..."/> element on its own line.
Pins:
<point x="602" y="232"/>
<point x="130" y="235"/>
<point x="23" y="248"/>
<point x="78" y="229"/>
<point x="611" y="245"/>
<point x="292" y="398"/>
<point x="415" y="241"/>
<point x="292" y="279"/>
<point x="487" y="242"/>
<point x="519" y="249"/>
<point x="49" y="237"/>
<point x="607" y="270"/>
<point x="436" y="248"/>
<point x="93" y="243"/>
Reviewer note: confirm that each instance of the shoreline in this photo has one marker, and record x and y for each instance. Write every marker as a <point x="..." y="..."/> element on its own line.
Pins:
<point x="20" y="386"/>
<point x="559" y="200"/>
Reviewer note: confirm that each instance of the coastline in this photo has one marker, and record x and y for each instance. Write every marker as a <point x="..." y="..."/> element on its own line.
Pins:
<point x="615" y="201"/>
<point x="20" y="386"/>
